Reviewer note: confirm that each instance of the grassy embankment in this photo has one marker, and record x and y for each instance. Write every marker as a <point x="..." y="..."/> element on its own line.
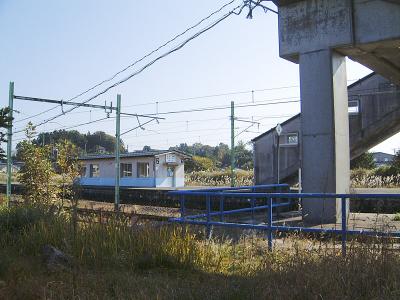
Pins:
<point x="116" y="261"/>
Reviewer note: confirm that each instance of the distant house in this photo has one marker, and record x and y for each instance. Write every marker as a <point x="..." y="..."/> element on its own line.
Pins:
<point x="382" y="159"/>
<point x="152" y="168"/>
<point x="101" y="149"/>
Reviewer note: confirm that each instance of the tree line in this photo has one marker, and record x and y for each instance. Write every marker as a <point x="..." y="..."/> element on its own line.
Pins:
<point x="206" y="157"/>
<point x="86" y="143"/>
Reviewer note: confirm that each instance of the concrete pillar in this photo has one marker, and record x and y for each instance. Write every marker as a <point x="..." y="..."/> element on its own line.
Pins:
<point x="324" y="133"/>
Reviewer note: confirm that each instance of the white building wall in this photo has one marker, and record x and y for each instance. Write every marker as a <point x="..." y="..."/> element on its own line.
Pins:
<point x="162" y="178"/>
<point x="158" y="175"/>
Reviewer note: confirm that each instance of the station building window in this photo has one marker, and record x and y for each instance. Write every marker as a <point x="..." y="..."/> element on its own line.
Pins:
<point x="143" y="170"/>
<point x="126" y="170"/>
<point x="94" y="170"/>
<point x="354" y="106"/>
<point x="289" y="139"/>
<point x="83" y="171"/>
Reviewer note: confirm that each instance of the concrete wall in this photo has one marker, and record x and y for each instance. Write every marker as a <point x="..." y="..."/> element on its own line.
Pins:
<point x="307" y="26"/>
<point x="378" y="119"/>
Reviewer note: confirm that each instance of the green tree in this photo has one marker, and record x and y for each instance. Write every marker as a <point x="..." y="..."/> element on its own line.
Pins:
<point x="68" y="167"/>
<point x="198" y="163"/>
<point x="37" y="174"/>
<point x="243" y="156"/>
<point x="5" y="123"/>
<point x="394" y="167"/>
<point x="364" y="161"/>
<point x="85" y="143"/>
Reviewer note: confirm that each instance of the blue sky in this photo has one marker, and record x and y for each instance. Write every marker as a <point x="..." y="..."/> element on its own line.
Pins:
<point x="56" y="49"/>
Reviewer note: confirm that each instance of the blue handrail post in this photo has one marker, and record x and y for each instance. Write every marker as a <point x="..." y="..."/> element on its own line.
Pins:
<point x="252" y="203"/>
<point x="182" y="208"/>
<point x="208" y="207"/>
<point x="221" y="208"/>
<point x="344" y="226"/>
<point x="269" y="219"/>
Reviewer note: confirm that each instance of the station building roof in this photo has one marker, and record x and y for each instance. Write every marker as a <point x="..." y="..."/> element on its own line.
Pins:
<point x="140" y="153"/>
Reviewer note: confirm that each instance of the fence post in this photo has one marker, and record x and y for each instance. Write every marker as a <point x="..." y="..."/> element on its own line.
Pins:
<point x="182" y="209"/>
<point x="208" y="207"/>
<point x="344" y="226"/>
<point x="269" y="219"/>
<point x="221" y="208"/>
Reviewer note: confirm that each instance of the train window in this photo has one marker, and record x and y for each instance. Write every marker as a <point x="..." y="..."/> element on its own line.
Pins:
<point x="94" y="170"/>
<point x="126" y="170"/>
<point x="143" y="169"/>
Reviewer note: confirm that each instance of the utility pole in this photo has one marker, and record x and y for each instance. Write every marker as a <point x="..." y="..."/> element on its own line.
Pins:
<point x="9" y="141"/>
<point x="117" y="152"/>
<point x="232" y="144"/>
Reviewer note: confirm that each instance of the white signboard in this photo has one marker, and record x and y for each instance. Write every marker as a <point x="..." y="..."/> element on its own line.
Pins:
<point x="170" y="158"/>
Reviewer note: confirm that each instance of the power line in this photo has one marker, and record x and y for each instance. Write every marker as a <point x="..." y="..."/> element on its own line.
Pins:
<point x="153" y="51"/>
<point x="36" y="115"/>
<point x="224" y="107"/>
<point x="19" y="130"/>
<point x="212" y="96"/>
<point x="73" y="126"/>
<point x="135" y="62"/>
<point x="216" y="95"/>
<point x="243" y="105"/>
<point x="178" y="47"/>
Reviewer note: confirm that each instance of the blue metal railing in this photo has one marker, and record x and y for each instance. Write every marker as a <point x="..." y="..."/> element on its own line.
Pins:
<point x="239" y="192"/>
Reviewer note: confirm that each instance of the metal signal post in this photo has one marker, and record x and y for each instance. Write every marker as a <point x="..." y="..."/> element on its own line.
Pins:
<point x="9" y="141"/>
<point x="117" y="152"/>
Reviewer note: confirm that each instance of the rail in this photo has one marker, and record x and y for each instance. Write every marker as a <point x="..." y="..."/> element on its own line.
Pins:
<point x="207" y="220"/>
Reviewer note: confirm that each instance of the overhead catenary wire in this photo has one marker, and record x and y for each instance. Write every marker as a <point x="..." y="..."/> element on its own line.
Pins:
<point x="231" y="93"/>
<point x="235" y="11"/>
<point x="73" y="126"/>
<point x="224" y="107"/>
<point x="240" y="105"/>
<point x="153" y="51"/>
<point x="140" y="59"/>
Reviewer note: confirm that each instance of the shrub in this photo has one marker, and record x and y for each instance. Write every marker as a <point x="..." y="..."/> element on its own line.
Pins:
<point x="17" y="218"/>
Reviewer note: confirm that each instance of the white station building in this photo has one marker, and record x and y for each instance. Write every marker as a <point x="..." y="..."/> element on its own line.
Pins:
<point x="152" y="168"/>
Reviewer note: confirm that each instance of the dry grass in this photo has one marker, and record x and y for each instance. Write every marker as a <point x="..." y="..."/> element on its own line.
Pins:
<point x="219" y="178"/>
<point x="360" y="178"/>
<point x="116" y="261"/>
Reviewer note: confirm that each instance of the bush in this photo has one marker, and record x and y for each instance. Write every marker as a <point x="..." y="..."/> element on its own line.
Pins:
<point x="382" y="171"/>
<point x="17" y="218"/>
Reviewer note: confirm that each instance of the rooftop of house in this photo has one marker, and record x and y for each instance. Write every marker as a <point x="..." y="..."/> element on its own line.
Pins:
<point x="139" y="153"/>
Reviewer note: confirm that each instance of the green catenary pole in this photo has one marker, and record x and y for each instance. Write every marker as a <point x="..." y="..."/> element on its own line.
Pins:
<point x="117" y="153"/>
<point x="232" y="144"/>
<point x="9" y="141"/>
